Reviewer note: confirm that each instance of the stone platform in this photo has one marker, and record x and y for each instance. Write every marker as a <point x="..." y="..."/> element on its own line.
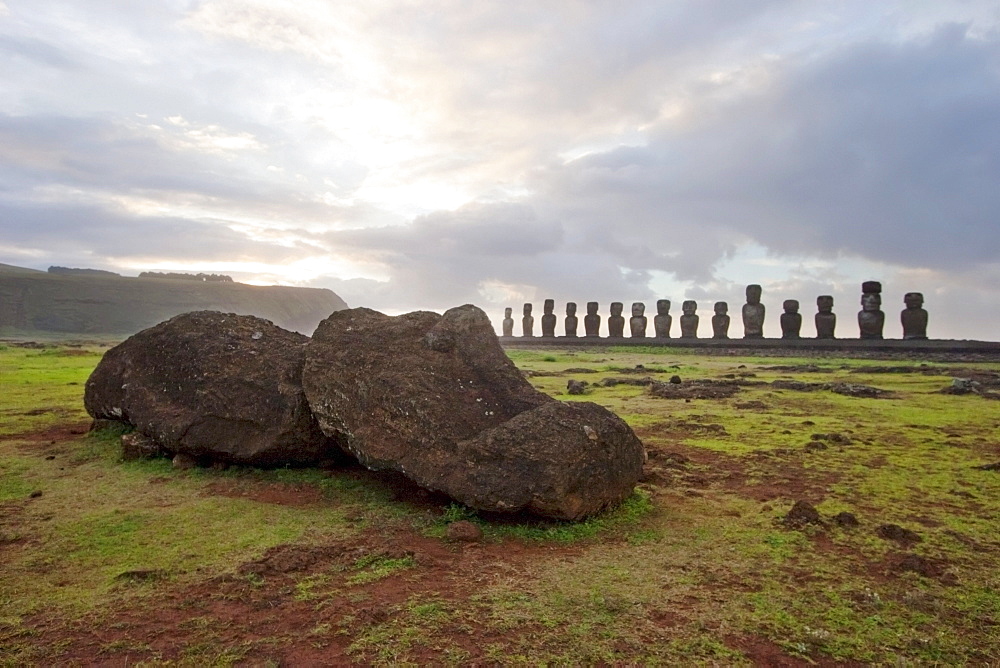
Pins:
<point x="885" y="348"/>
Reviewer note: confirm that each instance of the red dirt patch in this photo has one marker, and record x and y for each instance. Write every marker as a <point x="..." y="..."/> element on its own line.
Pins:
<point x="260" y="609"/>
<point x="763" y="652"/>
<point x="763" y="475"/>
<point x="58" y="434"/>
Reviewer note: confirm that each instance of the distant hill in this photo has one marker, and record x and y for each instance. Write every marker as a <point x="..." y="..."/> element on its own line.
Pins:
<point x="81" y="303"/>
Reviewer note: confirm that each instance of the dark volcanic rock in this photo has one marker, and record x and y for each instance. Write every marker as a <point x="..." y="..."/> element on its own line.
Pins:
<point x="846" y="520"/>
<point x="436" y="398"/>
<point x="213" y="386"/>
<point x="392" y="386"/>
<point x="801" y="514"/>
<point x="897" y="533"/>
<point x="136" y="445"/>
<point x="695" y="389"/>
<point x="561" y="460"/>
<point x="576" y="386"/>
<point x="464" y="531"/>
<point x="863" y="391"/>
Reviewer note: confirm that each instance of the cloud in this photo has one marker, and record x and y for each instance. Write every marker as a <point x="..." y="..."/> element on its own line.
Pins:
<point x="883" y="151"/>
<point x="103" y="238"/>
<point x="424" y="154"/>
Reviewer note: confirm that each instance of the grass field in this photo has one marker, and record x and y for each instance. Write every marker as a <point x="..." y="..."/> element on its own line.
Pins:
<point x="113" y="563"/>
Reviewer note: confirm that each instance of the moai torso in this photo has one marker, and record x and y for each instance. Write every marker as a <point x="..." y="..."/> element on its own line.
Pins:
<point x="571" y="319"/>
<point x="662" y="320"/>
<point x="791" y="320"/>
<point x="914" y="317"/>
<point x="508" y="322"/>
<point x="689" y="320"/>
<point x="527" y="322"/>
<point x="871" y="319"/>
<point x="637" y="323"/>
<point x="720" y="321"/>
<point x="616" y="323"/>
<point x="753" y="314"/>
<point x="548" y="318"/>
<point x="826" y="319"/>
<point x="592" y="321"/>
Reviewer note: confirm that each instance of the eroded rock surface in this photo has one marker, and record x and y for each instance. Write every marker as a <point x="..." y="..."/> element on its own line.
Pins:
<point x="212" y="386"/>
<point x="436" y="398"/>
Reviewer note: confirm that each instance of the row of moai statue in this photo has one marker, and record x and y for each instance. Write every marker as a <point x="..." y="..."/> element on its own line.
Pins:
<point x="871" y="319"/>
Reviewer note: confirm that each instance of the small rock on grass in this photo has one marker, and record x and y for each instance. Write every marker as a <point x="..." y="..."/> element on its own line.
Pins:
<point x="924" y="566"/>
<point x="845" y="520"/>
<point x="464" y="531"/>
<point x="801" y="514"/>
<point x="897" y="533"/>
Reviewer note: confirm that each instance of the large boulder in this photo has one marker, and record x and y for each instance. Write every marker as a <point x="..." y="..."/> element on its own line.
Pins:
<point x="437" y="399"/>
<point x="561" y="460"/>
<point x="215" y="386"/>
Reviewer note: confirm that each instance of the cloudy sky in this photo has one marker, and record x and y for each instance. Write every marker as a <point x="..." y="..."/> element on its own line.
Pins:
<point x="420" y="154"/>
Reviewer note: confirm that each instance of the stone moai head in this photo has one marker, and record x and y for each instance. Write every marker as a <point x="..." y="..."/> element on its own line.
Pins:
<point x="527" y="309"/>
<point x="662" y="306"/>
<point x="507" y="311"/>
<point x="689" y="307"/>
<point x="871" y="296"/>
<point x="638" y="308"/>
<point x="871" y="301"/>
<point x="790" y="305"/>
<point x="570" y="308"/>
<point x="824" y="304"/>
<point x="914" y="300"/>
<point x="721" y="308"/>
<point x="549" y="305"/>
<point x="616" y="308"/>
<point x="592" y="308"/>
<point x="753" y="293"/>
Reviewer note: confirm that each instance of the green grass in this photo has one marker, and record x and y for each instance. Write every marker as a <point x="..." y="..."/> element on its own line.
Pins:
<point x="693" y="568"/>
<point x="371" y="568"/>
<point x="41" y="388"/>
<point x="623" y="520"/>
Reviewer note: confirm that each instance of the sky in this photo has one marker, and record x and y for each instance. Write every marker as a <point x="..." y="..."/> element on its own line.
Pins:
<point x="422" y="154"/>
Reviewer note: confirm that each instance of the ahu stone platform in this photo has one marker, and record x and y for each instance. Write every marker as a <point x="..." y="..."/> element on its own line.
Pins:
<point x="985" y="349"/>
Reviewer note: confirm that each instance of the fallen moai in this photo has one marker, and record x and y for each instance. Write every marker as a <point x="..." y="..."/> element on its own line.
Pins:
<point x="215" y="386"/>
<point x="436" y="398"/>
<point x="432" y="397"/>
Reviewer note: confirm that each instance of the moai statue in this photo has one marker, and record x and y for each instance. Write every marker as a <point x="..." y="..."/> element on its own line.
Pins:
<point x="662" y="320"/>
<point x="689" y="321"/>
<point x="616" y="323"/>
<point x="720" y="321"/>
<point x="592" y="321"/>
<point x="571" y="319"/>
<point x="637" y="323"/>
<point x="753" y="314"/>
<point x="548" y="318"/>
<point x="791" y="320"/>
<point x="527" y="322"/>
<point x="826" y="319"/>
<point x="508" y="322"/>
<point x="914" y="316"/>
<point x="871" y="319"/>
